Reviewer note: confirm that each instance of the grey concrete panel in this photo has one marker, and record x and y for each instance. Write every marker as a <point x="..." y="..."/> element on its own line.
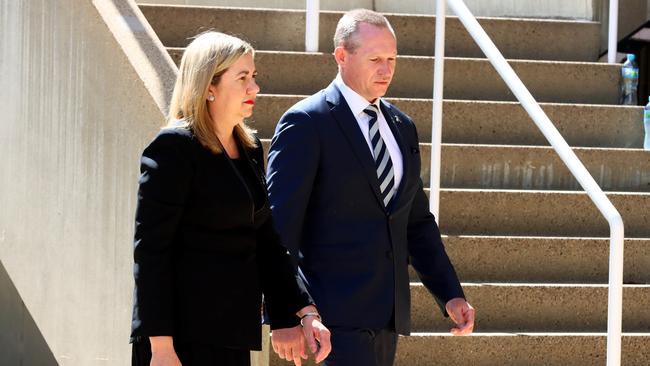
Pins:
<point x="565" y="82"/>
<point x="284" y="30"/>
<point x="538" y="213"/>
<point x="77" y="114"/>
<point x="21" y="342"/>
<point x="556" y="308"/>
<point x="543" y="259"/>
<point x="501" y="123"/>
<point x="499" y="349"/>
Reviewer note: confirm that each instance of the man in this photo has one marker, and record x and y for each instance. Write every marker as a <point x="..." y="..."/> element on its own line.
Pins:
<point x="348" y="201"/>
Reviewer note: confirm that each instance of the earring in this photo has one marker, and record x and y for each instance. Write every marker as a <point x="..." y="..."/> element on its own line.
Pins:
<point x="211" y="98"/>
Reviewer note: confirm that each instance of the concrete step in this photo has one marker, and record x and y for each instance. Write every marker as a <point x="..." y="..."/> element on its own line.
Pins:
<point x="508" y="307"/>
<point x="540" y="168"/>
<point x="284" y="30"/>
<point x="512" y="349"/>
<point x="466" y="79"/>
<point x="528" y="167"/>
<point x="538" y="213"/>
<point x="543" y="259"/>
<point x="549" y="9"/>
<point x="502" y="123"/>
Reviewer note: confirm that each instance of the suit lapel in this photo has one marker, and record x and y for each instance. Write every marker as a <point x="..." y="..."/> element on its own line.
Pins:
<point x="348" y="124"/>
<point x="394" y="124"/>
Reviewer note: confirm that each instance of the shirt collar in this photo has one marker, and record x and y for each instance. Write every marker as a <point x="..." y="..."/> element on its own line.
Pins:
<point x="356" y="102"/>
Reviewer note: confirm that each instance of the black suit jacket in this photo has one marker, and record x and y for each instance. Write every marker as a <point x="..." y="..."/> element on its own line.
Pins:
<point x="326" y="201"/>
<point x="203" y="256"/>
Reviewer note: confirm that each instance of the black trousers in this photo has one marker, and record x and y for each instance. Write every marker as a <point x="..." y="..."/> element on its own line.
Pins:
<point x="362" y="347"/>
<point x="193" y="354"/>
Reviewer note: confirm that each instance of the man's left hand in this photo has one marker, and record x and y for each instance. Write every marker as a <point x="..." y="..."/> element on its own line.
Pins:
<point x="462" y="313"/>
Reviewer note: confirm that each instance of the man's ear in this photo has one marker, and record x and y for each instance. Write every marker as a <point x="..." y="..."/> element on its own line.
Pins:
<point x="339" y="55"/>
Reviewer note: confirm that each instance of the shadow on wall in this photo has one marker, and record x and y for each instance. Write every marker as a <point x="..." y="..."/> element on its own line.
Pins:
<point x="21" y="342"/>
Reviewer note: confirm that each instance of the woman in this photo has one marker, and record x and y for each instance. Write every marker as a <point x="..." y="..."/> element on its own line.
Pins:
<point x="205" y="247"/>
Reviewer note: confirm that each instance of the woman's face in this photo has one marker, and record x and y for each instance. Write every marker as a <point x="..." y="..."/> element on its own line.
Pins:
<point x="234" y="95"/>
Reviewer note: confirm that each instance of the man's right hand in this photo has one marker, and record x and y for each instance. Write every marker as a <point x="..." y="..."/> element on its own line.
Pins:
<point x="162" y="352"/>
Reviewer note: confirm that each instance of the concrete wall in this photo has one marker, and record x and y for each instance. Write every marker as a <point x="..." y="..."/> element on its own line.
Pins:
<point x="574" y="9"/>
<point x="82" y="91"/>
<point x="273" y="4"/>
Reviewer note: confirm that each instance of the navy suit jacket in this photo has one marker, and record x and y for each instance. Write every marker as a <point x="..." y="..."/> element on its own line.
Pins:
<point x="353" y="252"/>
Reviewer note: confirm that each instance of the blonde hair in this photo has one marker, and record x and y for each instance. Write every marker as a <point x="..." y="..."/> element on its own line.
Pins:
<point x="205" y="59"/>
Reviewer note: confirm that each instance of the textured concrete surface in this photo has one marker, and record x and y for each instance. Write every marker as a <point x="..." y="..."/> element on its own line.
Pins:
<point x="274" y="4"/>
<point x="538" y="213"/>
<point x="512" y="349"/>
<point x="528" y="167"/>
<point x="501" y="123"/>
<point x="566" y="82"/>
<point x="518" y="349"/>
<point x="21" y="343"/>
<point x="285" y="30"/>
<point x="142" y="47"/>
<point x="557" y="308"/>
<point x="576" y="9"/>
<point x="76" y="117"/>
<point x="543" y="259"/>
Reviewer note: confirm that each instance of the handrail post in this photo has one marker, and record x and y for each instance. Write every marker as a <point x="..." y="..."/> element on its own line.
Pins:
<point x="311" y="25"/>
<point x="613" y="32"/>
<point x="436" y="112"/>
<point x="615" y="293"/>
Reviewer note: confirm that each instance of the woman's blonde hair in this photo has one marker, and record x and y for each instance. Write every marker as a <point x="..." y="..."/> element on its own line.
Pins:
<point x="205" y="59"/>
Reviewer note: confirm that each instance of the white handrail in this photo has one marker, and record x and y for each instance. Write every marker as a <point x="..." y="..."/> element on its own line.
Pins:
<point x="615" y="298"/>
<point x="613" y="32"/>
<point x="436" y="112"/>
<point x="311" y="25"/>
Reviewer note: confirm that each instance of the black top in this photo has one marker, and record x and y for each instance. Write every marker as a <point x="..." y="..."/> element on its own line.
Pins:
<point x="203" y="254"/>
<point x="252" y="181"/>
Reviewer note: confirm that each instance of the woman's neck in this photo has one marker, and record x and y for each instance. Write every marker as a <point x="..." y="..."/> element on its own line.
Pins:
<point x="227" y="138"/>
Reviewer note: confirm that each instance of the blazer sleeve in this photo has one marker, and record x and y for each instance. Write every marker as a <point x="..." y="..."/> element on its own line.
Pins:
<point x="163" y="190"/>
<point x="427" y="252"/>
<point x="284" y="291"/>
<point x="293" y="164"/>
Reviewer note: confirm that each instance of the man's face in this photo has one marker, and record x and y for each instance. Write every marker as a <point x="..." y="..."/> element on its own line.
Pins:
<point x="369" y="69"/>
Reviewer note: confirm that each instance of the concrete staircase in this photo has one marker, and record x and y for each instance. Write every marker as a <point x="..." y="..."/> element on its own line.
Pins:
<point x="528" y="244"/>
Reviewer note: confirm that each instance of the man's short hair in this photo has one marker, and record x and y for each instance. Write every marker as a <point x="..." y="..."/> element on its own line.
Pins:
<point x="348" y="27"/>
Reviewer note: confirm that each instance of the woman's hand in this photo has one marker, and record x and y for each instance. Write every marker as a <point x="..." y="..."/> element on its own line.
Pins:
<point x="289" y="344"/>
<point x="162" y="352"/>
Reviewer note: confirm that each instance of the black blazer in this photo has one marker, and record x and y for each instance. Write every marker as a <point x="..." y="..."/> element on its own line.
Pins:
<point x="328" y="209"/>
<point x="203" y="256"/>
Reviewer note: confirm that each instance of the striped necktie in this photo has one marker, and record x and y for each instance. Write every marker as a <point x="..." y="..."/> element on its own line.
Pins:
<point x="383" y="163"/>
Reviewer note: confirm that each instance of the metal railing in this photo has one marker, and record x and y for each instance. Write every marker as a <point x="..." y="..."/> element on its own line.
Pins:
<point x="311" y="25"/>
<point x="615" y="298"/>
<point x="612" y="40"/>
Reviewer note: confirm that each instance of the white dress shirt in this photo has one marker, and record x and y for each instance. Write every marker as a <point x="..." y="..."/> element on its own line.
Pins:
<point x="357" y="104"/>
